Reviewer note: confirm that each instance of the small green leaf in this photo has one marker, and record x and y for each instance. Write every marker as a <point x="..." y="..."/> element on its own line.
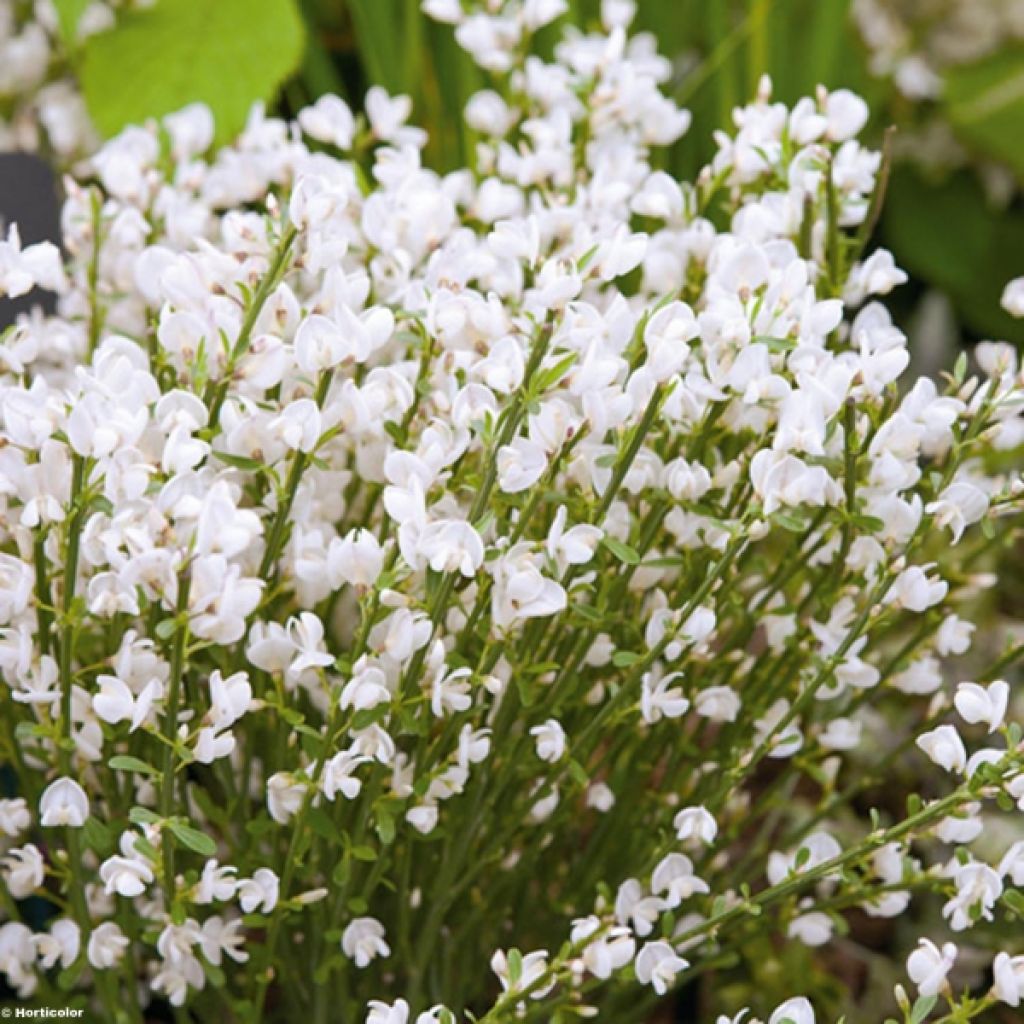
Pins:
<point x="146" y="848"/>
<point x="385" y="828"/>
<point x="623" y="659"/>
<point x="97" y="836"/>
<point x="1013" y="899"/>
<point x="790" y="521"/>
<point x="127" y="763"/>
<point x="526" y="687"/>
<point x="960" y="369"/>
<point x="775" y="344"/>
<point x="320" y="822"/>
<point x="553" y="374"/>
<point x="241" y="462"/>
<point x="623" y="552"/>
<point x="143" y="816"/>
<point x="578" y="772"/>
<point x="515" y="966"/>
<point x="192" y="838"/>
<point x="923" y="1006"/>
<point x="165" y="628"/>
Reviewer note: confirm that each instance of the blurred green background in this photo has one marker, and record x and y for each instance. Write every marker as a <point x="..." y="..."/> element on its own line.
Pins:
<point x="948" y="74"/>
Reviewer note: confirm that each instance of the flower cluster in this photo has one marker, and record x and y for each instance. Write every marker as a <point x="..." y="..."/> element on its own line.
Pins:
<point x="915" y="42"/>
<point x="402" y="571"/>
<point x="41" y="107"/>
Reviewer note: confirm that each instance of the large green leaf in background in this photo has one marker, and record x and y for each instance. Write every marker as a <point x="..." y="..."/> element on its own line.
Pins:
<point x="950" y="235"/>
<point x="226" y="53"/>
<point x="985" y="102"/>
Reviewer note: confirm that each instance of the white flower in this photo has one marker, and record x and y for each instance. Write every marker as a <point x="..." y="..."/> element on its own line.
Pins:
<point x="719" y="703"/>
<point x="983" y="704"/>
<point x="175" y="942"/>
<point x="322" y="343"/>
<point x="363" y="941"/>
<point x="1013" y="297"/>
<point x="17" y="958"/>
<point x="116" y="702"/>
<point x="22" y="269"/>
<point x="366" y="689"/>
<point x="299" y="426"/>
<point x="23" y="870"/>
<point x="674" y="877"/>
<point x="423" y="817"/>
<point x="258" y="893"/>
<point x="520" y="465"/>
<point x="977" y="889"/>
<point x="928" y="966"/>
<point x="877" y="275"/>
<point x="796" y="1010"/>
<point x="659" y="698"/>
<point x="657" y="965"/>
<point x="521" y="591"/>
<point x="338" y="775"/>
<point x="284" y="796"/>
<point x="63" y="803"/>
<point x="307" y="635"/>
<point x="1008" y="972"/>
<point x="1012" y="863"/>
<point x="356" y="559"/>
<point x="605" y="953"/>
<point x="914" y="590"/>
<point x="107" y="945"/>
<point x="632" y="907"/>
<point x="782" y="480"/>
<point x="812" y="929"/>
<point x="845" y="115"/>
<point x="944" y="746"/>
<point x="126" y="876"/>
<point x="695" y="824"/>
<point x="216" y="883"/>
<point x="549" y="738"/>
<point x="785" y="741"/>
<point x="451" y="545"/>
<point x="958" y="506"/>
<point x="575" y="546"/>
<point x="954" y="636"/>
<point x="15" y="817"/>
<point x="687" y="481"/>
<point x="211" y="745"/>
<point x="61" y="945"/>
<point x="177" y="978"/>
<point x="230" y="698"/>
<point x="385" y="1013"/>
<point x="329" y="120"/>
<point x="816" y="849"/>
<point x="450" y="691"/>
<point x="533" y="967"/>
<point x="219" y="938"/>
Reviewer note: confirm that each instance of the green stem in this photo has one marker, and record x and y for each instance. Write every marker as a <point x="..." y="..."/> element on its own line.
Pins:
<point x="171" y="730"/>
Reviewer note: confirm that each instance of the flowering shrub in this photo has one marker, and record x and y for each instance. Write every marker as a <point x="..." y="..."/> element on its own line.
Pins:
<point x="494" y="596"/>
